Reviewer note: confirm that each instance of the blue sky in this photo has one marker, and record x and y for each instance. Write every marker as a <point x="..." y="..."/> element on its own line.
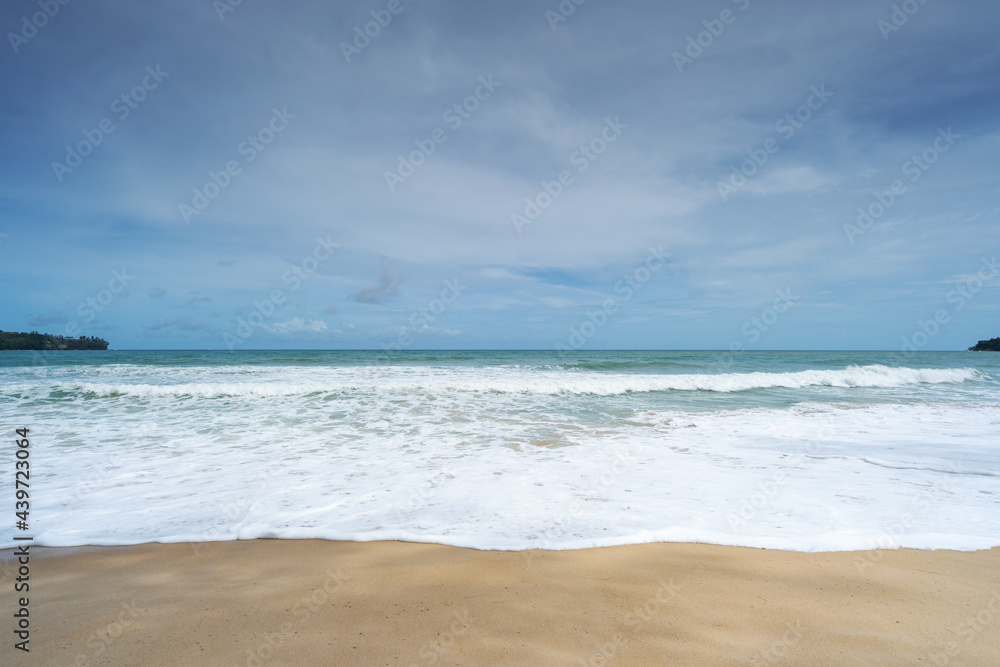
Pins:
<point x="202" y="175"/>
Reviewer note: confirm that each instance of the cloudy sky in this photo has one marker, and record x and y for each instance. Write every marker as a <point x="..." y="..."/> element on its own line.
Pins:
<point x="634" y="174"/>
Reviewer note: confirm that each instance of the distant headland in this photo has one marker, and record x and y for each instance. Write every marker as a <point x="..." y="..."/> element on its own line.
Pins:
<point x="39" y="341"/>
<point x="991" y="345"/>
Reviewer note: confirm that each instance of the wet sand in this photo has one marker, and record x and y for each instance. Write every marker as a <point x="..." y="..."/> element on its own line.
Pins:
<point x="312" y="602"/>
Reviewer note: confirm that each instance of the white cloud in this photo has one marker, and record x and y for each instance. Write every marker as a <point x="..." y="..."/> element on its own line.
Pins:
<point x="802" y="178"/>
<point x="297" y="325"/>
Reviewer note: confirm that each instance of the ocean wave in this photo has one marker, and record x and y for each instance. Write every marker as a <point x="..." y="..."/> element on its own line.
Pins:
<point x="435" y="381"/>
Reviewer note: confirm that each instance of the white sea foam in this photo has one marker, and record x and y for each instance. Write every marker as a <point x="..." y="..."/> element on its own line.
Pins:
<point x="506" y="458"/>
<point x="410" y="380"/>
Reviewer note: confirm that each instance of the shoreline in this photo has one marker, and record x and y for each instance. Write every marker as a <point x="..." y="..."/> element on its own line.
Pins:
<point x="278" y="602"/>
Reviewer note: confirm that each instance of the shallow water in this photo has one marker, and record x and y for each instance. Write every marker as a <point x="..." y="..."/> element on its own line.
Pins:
<point x="510" y="450"/>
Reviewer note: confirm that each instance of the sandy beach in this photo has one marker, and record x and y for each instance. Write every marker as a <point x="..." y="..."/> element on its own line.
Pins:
<point x="284" y="602"/>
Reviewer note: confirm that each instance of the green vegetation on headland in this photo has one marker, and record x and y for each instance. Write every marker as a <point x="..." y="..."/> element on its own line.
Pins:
<point x="991" y="345"/>
<point x="38" y="341"/>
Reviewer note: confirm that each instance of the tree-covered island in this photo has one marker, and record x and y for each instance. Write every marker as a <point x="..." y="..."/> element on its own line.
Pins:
<point x="991" y="345"/>
<point x="10" y="340"/>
